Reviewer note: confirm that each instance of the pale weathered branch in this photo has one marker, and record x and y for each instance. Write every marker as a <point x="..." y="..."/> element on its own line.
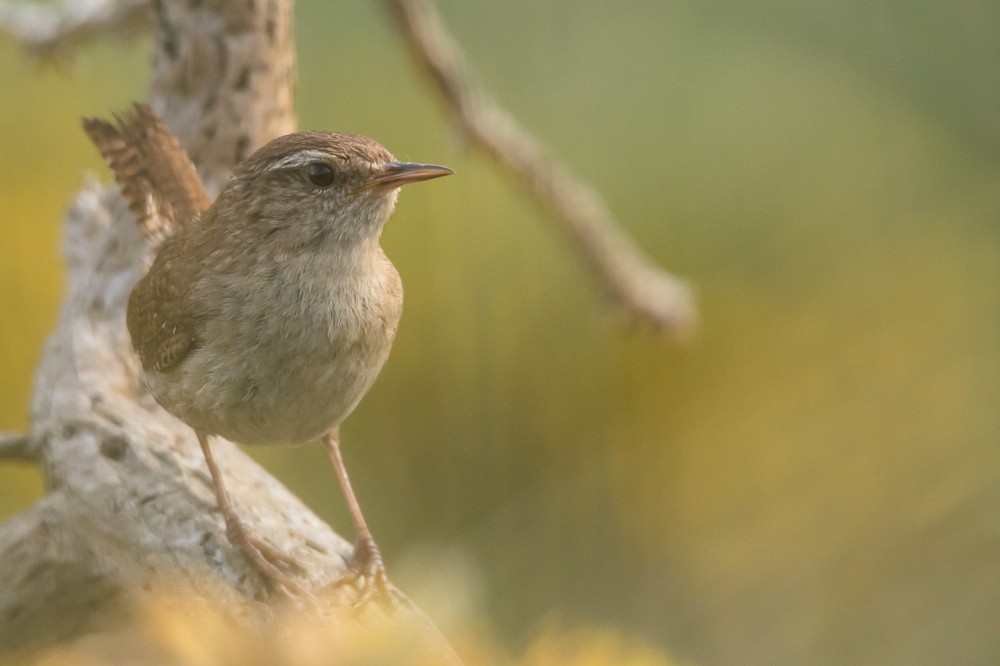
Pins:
<point x="631" y="279"/>
<point x="223" y="95"/>
<point x="56" y="29"/>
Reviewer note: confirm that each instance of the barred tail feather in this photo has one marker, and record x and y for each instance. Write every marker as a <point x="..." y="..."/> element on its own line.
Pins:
<point x="156" y="178"/>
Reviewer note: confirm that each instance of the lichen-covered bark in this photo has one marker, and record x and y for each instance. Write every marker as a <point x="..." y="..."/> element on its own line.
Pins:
<point x="223" y="78"/>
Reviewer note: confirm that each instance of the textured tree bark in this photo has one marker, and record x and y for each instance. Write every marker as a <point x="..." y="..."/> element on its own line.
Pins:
<point x="223" y="78"/>
<point x="129" y="498"/>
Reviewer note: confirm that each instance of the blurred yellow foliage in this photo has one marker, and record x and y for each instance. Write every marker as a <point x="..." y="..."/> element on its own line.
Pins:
<point x="173" y="629"/>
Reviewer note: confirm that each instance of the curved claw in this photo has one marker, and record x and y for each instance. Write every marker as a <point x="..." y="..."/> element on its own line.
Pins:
<point x="263" y="557"/>
<point x="367" y="575"/>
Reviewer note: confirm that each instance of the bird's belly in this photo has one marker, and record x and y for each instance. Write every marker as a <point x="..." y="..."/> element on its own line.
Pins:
<point x="278" y="399"/>
<point x="286" y="356"/>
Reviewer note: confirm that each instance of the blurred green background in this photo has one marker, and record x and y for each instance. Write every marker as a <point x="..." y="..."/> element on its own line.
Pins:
<point x="814" y="479"/>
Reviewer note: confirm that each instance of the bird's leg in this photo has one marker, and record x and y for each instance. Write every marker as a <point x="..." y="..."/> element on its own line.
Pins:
<point x="367" y="571"/>
<point x="261" y="554"/>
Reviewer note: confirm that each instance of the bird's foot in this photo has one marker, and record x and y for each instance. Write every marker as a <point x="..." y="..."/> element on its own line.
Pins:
<point x="265" y="558"/>
<point x="367" y="575"/>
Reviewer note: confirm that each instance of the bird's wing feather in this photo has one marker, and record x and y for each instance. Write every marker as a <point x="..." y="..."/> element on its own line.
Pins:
<point x="159" y="319"/>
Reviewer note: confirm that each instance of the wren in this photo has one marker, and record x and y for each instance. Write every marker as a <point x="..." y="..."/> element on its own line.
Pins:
<point x="266" y="316"/>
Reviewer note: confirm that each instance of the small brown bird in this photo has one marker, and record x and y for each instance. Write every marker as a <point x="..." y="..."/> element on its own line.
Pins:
<point x="265" y="316"/>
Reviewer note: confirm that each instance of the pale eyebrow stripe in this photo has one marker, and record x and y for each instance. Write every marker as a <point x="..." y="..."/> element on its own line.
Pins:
<point x="298" y="159"/>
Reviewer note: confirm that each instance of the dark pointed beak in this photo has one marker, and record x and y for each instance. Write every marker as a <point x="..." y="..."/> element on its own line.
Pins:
<point x="396" y="174"/>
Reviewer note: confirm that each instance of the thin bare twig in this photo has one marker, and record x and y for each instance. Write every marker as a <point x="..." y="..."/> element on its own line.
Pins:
<point x="16" y="446"/>
<point x="632" y="280"/>
<point x="53" y="30"/>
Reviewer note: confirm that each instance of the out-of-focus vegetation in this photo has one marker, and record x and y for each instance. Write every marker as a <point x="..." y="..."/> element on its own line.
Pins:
<point x="813" y="480"/>
<point x="174" y="628"/>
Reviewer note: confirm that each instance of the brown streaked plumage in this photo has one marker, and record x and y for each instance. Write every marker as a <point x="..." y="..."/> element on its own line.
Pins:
<point x="265" y="316"/>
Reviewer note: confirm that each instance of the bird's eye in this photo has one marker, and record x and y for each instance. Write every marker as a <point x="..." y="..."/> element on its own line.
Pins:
<point x="320" y="174"/>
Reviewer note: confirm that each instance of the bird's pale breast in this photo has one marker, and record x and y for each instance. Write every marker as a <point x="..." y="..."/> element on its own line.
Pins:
<point x="283" y="356"/>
